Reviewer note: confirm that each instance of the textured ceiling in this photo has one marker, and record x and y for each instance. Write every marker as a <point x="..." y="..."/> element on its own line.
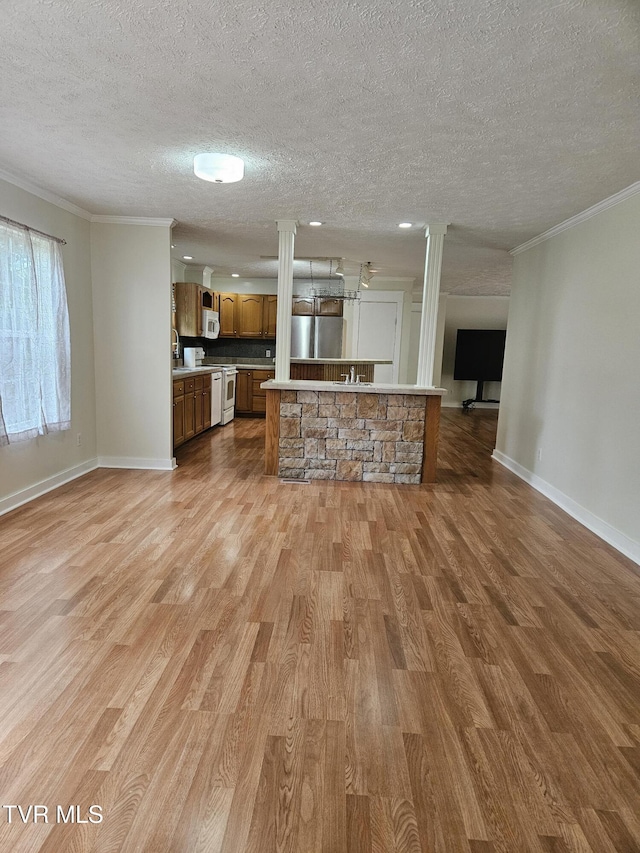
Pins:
<point x="502" y="118"/>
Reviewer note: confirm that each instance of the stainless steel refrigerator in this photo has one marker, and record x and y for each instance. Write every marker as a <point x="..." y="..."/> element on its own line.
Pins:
<point x="316" y="337"/>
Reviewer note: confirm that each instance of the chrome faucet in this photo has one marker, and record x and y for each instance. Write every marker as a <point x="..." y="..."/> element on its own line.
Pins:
<point x="352" y="375"/>
<point x="175" y="345"/>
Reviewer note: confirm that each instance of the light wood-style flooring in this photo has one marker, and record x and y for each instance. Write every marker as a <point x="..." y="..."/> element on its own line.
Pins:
<point x="223" y="662"/>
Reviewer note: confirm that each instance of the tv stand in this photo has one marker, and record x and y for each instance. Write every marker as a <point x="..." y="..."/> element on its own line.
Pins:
<point x="468" y="404"/>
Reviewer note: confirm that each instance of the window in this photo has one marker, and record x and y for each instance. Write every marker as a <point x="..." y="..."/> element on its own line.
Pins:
<point x="35" y="369"/>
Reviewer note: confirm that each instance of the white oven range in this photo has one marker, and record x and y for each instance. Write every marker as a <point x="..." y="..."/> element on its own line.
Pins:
<point x="229" y="374"/>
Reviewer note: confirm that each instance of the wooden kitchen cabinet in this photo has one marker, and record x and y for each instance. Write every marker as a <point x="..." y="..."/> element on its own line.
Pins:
<point x="329" y="307"/>
<point x="269" y="315"/>
<point x="206" y="405"/>
<point x="178" y="420"/>
<point x="191" y="407"/>
<point x="249" y="315"/>
<point x="189" y="415"/>
<point x="227" y="308"/>
<point x="258" y="394"/>
<point x="318" y="306"/>
<point x="188" y="301"/>
<point x="207" y="299"/>
<point x="250" y="397"/>
<point x="246" y="315"/>
<point x="303" y="306"/>
<point x="244" y="392"/>
<point x="198" y="414"/>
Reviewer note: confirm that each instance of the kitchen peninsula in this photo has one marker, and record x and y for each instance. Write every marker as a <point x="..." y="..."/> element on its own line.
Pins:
<point x="253" y="372"/>
<point x="379" y="433"/>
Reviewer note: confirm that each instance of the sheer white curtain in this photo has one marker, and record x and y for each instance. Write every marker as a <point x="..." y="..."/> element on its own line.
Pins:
<point x="35" y="351"/>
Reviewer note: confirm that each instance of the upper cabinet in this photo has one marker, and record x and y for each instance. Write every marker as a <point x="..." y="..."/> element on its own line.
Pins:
<point x="303" y="306"/>
<point x="247" y="315"/>
<point x="227" y="308"/>
<point x="310" y="306"/>
<point x="269" y="314"/>
<point x="188" y="308"/>
<point x="189" y="299"/>
<point x="328" y="307"/>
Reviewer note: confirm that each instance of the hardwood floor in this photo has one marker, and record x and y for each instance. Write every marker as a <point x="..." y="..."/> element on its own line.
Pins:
<point x="223" y="662"/>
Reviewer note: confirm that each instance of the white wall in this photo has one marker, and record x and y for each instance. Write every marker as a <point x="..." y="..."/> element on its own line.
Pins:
<point x="131" y="271"/>
<point x="226" y="284"/>
<point x="30" y="467"/>
<point x="571" y="386"/>
<point x="469" y="312"/>
<point x="178" y="271"/>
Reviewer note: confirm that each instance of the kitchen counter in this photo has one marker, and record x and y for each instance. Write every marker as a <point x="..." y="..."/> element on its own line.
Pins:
<point x="361" y="387"/>
<point x="377" y="432"/>
<point x="194" y="371"/>
<point x="340" y="361"/>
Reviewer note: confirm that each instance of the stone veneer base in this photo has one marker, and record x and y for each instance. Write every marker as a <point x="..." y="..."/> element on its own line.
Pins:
<point x="334" y="435"/>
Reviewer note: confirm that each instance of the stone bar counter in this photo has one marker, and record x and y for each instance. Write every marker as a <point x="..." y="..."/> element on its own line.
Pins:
<point x="378" y="433"/>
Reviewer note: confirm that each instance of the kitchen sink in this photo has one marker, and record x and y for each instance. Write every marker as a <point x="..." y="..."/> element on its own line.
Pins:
<point x="352" y="384"/>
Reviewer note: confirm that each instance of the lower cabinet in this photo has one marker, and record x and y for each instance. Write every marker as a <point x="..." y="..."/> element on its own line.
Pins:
<point x="243" y="392"/>
<point x="251" y="399"/>
<point x="191" y="407"/>
<point x="258" y="394"/>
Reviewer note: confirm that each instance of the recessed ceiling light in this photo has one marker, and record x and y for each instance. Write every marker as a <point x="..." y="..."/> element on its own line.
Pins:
<point x="315" y="223"/>
<point x="173" y="245"/>
<point x="405" y="225"/>
<point x="235" y="275"/>
<point x="187" y="257"/>
<point x="218" y="168"/>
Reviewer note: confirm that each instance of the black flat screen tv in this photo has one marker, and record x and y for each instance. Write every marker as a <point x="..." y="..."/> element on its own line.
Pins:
<point x="479" y="354"/>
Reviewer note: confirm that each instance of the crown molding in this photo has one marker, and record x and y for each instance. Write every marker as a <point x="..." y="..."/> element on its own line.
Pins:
<point x="45" y="195"/>
<point x="132" y="220"/>
<point x="589" y="213"/>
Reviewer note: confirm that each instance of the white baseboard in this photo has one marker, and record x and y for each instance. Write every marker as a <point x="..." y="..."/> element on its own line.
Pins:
<point x="47" y="485"/>
<point x="620" y="541"/>
<point x="136" y="462"/>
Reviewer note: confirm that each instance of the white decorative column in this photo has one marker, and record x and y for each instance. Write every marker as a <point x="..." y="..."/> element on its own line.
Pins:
<point x="431" y="292"/>
<point x="286" y="236"/>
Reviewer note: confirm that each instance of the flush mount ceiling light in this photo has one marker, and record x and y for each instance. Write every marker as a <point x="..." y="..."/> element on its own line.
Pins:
<point x="235" y="275"/>
<point x="218" y="168"/>
<point x="187" y="257"/>
<point x="315" y="223"/>
<point x="405" y="225"/>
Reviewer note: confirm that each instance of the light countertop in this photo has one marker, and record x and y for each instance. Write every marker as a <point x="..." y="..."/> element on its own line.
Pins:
<point x="339" y="361"/>
<point x="361" y="388"/>
<point x="179" y="372"/>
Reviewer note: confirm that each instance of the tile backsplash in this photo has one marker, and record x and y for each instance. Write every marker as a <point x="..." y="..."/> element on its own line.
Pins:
<point x="230" y="347"/>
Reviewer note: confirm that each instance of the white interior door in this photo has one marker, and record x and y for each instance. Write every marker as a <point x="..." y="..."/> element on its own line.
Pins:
<point x="378" y="332"/>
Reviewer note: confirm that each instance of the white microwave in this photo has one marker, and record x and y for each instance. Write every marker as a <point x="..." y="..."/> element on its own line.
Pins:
<point x="210" y="323"/>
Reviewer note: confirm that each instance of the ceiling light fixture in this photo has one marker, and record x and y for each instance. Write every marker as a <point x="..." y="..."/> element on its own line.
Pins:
<point x="315" y="223"/>
<point x="218" y="168"/>
<point x="187" y="257"/>
<point x="366" y="274"/>
<point x="235" y="275"/>
<point x="405" y="225"/>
